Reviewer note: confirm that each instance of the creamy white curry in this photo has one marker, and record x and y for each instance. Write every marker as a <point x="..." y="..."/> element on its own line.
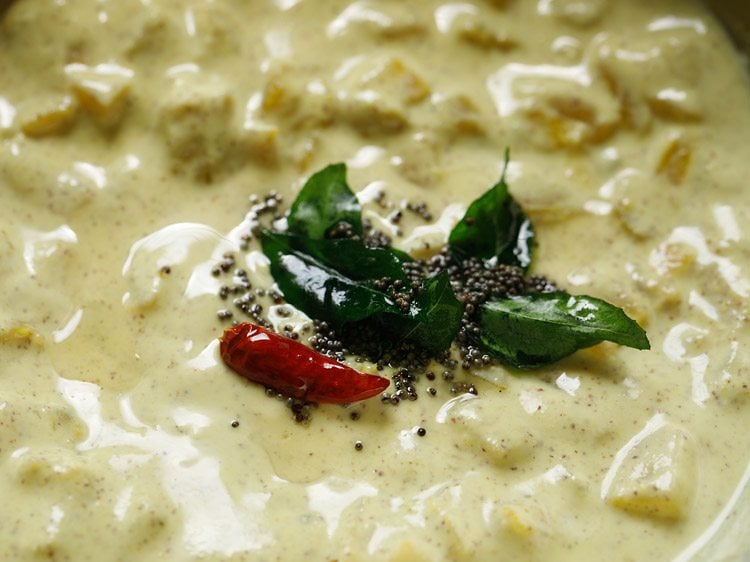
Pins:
<point x="132" y="134"/>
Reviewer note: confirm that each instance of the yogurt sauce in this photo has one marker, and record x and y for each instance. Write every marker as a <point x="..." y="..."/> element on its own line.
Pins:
<point x="132" y="134"/>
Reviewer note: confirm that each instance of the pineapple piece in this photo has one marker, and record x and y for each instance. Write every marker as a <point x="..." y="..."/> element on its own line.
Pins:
<point x="675" y="258"/>
<point x="728" y="374"/>
<point x="570" y="122"/>
<point x="390" y="20"/>
<point x="577" y="12"/>
<point x="302" y="104"/>
<point x="372" y="94"/>
<point x="49" y="117"/>
<point x="476" y="26"/>
<point x="418" y="160"/>
<point x="675" y="160"/>
<point x="633" y="192"/>
<point x="492" y="435"/>
<point x="391" y="77"/>
<point x="196" y="120"/>
<point x="517" y="520"/>
<point x="555" y="108"/>
<point x="371" y="114"/>
<point x="477" y="32"/>
<point x="54" y="465"/>
<point x="261" y="142"/>
<point x="408" y="552"/>
<point x="277" y="99"/>
<point x="679" y="105"/>
<point x="303" y="152"/>
<point x="24" y="418"/>
<point x="21" y="336"/>
<point x="654" y="474"/>
<point x="652" y="75"/>
<point x="457" y="115"/>
<point x="103" y="90"/>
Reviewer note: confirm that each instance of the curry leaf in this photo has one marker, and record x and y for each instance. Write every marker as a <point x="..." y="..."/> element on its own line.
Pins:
<point x="340" y="290"/>
<point x="324" y="201"/>
<point x="352" y="258"/>
<point x="319" y="290"/>
<point x="539" y="328"/>
<point x="436" y="314"/>
<point x="494" y="226"/>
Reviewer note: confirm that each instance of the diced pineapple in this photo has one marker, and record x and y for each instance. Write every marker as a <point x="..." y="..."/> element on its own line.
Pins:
<point x="491" y="434"/>
<point x="197" y="123"/>
<point x="390" y="20"/>
<point x="457" y="114"/>
<point x="728" y="374"/>
<point x="475" y="25"/>
<point x="261" y="141"/>
<point x="304" y="152"/>
<point x="577" y="12"/>
<point x="654" y="474"/>
<point x="681" y="106"/>
<point x="371" y="114"/>
<point x="674" y="258"/>
<point x="675" y="160"/>
<point x="479" y="33"/>
<point x="103" y="90"/>
<point x="555" y="109"/>
<point x="49" y="117"/>
<point x="289" y="96"/>
<point x="516" y="520"/>
<point x="652" y="75"/>
<point x="37" y="420"/>
<point x="408" y="552"/>
<point x="372" y="94"/>
<point x="392" y="78"/>
<point x="418" y="161"/>
<point x="633" y="193"/>
<point x="279" y="98"/>
<point x="20" y="336"/>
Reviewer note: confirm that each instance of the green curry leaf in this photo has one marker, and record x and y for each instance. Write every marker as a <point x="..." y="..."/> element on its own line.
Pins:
<point x="320" y="290"/>
<point x="495" y="226"/>
<point x="540" y="328"/>
<point x="324" y="201"/>
<point x="436" y="314"/>
<point x="350" y="257"/>
<point x="332" y="280"/>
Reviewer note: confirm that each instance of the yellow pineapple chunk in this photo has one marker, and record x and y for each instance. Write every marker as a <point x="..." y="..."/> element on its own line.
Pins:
<point x="279" y="99"/>
<point x="458" y="114"/>
<point x="393" y="77"/>
<point x="478" y="33"/>
<point x="516" y="520"/>
<point x="50" y="118"/>
<point x="654" y="474"/>
<point x="20" y="336"/>
<point x="675" y="161"/>
<point x="103" y="90"/>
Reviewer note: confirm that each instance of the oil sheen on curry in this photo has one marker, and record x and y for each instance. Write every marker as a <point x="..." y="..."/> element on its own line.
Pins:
<point x="142" y="141"/>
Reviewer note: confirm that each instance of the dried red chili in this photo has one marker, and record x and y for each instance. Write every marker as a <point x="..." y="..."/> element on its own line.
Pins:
<point x="294" y="369"/>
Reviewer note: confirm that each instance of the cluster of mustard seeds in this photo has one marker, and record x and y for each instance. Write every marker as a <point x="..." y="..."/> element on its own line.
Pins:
<point x="412" y="369"/>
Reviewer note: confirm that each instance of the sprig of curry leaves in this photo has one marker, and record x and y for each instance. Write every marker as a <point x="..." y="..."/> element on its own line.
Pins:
<point x="495" y="228"/>
<point x="334" y="279"/>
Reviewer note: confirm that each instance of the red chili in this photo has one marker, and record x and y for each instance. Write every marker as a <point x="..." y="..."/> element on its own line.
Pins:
<point x="294" y="369"/>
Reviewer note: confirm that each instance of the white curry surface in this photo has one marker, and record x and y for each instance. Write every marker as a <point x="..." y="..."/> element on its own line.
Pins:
<point x="132" y="134"/>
